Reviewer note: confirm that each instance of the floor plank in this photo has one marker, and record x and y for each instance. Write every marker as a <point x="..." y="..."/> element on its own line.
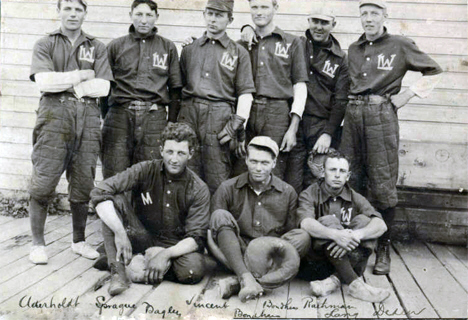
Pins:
<point x="274" y="303"/>
<point x="5" y="219"/>
<point x="456" y="268"/>
<point x="460" y="252"/>
<point x="300" y="296"/>
<point x="413" y="299"/>
<point x="391" y="305"/>
<point x="20" y="226"/>
<point x="445" y="294"/>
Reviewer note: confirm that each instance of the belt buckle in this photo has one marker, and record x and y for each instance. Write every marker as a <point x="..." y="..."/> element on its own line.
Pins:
<point x="154" y="106"/>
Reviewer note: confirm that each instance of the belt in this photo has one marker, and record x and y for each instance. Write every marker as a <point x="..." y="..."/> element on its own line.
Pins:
<point x="264" y="100"/>
<point x="71" y="97"/>
<point x="144" y="105"/>
<point x="367" y="99"/>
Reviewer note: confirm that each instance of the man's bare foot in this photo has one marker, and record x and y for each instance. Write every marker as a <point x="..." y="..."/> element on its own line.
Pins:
<point x="250" y="288"/>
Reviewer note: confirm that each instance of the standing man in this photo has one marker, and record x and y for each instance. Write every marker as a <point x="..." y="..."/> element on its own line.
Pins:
<point x="280" y="75"/>
<point x="147" y="80"/>
<point x="378" y="62"/>
<point x="327" y="91"/>
<point x="170" y="210"/>
<point x="252" y="205"/>
<point x="217" y="74"/>
<point x="344" y="226"/>
<point x="71" y="70"/>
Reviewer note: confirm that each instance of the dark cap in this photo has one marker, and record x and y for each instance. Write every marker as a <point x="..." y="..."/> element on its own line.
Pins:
<point x="267" y="142"/>
<point x="377" y="3"/>
<point x="221" y="5"/>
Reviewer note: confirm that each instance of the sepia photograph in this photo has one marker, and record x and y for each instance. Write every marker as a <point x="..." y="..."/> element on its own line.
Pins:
<point x="233" y="159"/>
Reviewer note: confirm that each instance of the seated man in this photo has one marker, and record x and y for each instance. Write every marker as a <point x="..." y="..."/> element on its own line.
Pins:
<point x="249" y="207"/>
<point x="344" y="226"/>
<point x="170" y="210"/>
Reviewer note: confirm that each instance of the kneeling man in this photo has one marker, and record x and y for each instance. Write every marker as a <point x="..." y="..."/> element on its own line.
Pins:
<point x="249" y="214"/>
<point x="170" y="210"/>
<point x="344" y="226"/>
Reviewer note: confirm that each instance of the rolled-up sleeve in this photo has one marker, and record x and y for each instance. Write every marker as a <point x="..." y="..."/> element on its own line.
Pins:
<point x="364" y="207"/>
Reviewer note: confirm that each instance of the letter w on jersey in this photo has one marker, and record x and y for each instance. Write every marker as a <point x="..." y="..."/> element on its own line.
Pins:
<point x="385" y="64"/>
<point x="86" y="54"/>
<point x="346" y="216"/>
<point x="146" y="199"/>
<point x="281" y="50"/>
<point x="160" y="62"/>
<point x="329" y="70"/>
<point x="228" y="61"/>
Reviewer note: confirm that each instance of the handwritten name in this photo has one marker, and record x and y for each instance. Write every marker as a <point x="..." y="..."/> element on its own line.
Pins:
<point x="28" y="302"/>
<point x="149" y="309"/>
<point x="102" y="305"/>
<point x="382" y="311"/>
<point x="310" y="303"/>
<point x="206" y="305"/>
<point x="282" y="306"/>
<point x="238" y="313"/>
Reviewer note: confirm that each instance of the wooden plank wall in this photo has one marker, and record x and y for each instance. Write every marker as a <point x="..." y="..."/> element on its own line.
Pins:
<point x="433" y="131"/>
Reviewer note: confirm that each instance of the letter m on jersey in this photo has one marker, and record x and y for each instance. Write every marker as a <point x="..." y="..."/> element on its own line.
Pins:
<point x="281" y="50"/>
<point x="228" y="61"/>
<point x="86" y="54"/>
<point x="329" y="70"/>
<point x="160" y="62"/>
<point x="385" y="64"/>
<point x="146" y="199"/>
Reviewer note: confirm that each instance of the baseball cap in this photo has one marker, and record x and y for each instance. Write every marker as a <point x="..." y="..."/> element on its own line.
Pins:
<point x="267" y="142"/>
<point x="377" y="3"/>
<point x="322" y="11"/>
<point x="221" y="5"/>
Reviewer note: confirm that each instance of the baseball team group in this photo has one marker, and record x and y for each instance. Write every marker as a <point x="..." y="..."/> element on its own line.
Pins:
<point x="271" y="157"/>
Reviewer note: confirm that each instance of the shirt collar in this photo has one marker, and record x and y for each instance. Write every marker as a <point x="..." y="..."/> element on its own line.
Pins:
<point x="224" y="40"/>
<point x="83" y="34"/>
<point x="243" y="180"/>
<point x="325" y="195"/>
<point x="279" y="32"/>
<point x="362" y="39"/>
<point x="134" y="34"/>
<point x="335" y="47"/>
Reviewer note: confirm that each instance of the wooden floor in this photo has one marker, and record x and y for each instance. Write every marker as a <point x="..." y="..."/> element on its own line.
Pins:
<point x="427" y="281"/>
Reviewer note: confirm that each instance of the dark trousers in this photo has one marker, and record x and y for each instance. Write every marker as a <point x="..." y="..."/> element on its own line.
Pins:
<point x="189" y="268"/>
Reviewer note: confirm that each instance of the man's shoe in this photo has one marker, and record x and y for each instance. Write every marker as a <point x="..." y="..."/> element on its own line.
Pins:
<point x="362" y="291"/>
<point x="228" y="287"/>
<point x="101" y="263"/>
<point x="322" y="288"/>
<point x="84" y="250"/>
<point x="119" y="281"/>
<point x="38" y="255"/>
<point x="382" y="259"/>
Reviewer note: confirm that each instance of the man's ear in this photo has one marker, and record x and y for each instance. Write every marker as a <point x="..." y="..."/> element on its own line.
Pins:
<point x="348" y="176"/>
<point x="274" y="163"/>
<point x="334" y="23"/>
<point x="191" y="153"/>
<point x="161" y="150"/>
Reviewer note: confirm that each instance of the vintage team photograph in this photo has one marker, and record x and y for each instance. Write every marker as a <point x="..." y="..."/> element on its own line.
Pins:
<point x="233" y="159"/>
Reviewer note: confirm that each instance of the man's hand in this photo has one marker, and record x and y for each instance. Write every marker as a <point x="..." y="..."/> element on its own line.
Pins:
<point x="346" y="239"/>
<point x="124" y="247"/>
<point x="230" y="131"/>
<point x="248" y="35"/>
<point x="187" y="41"/>
<point x="289" y="141"/>
<point x="241" y="152"/>
<point x="323" y="143"/>
<point x="336" y="251"/>
<point x="401" y="99"/>
<point x="86" y="75"/>
<point x="157" y="267"/>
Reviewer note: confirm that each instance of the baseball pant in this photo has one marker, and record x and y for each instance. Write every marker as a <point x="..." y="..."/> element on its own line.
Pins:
<point x="131" y="136"/>
<point x="188" y="268"/>
<point x="212" y="162"/>
<point x="370" y="140"/>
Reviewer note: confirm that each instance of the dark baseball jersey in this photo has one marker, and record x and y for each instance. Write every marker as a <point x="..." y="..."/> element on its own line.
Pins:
<point x="217" y="70"/>
<point x="278" y="63"/>
<point x="55" y="53"/>
<point x="144" y="68"/>
<point x="316" y="202"/>
<point x="328" y="81"/>
<point x="174" y="207"/>
<point x="378" y="67"/>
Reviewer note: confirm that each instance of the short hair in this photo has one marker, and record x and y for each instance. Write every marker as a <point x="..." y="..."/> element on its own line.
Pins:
<point x="179" y="132"/>
<point x="261" y="148"/>
<point x="82" y="2"/>
<point x="153" y="6"/>
<point x="274" y="2"/>
<point x="335" y="154"/>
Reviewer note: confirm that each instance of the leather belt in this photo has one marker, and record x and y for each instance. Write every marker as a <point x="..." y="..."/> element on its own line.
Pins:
<point x="367" y="99"/>
<point x="143" y="105"/>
